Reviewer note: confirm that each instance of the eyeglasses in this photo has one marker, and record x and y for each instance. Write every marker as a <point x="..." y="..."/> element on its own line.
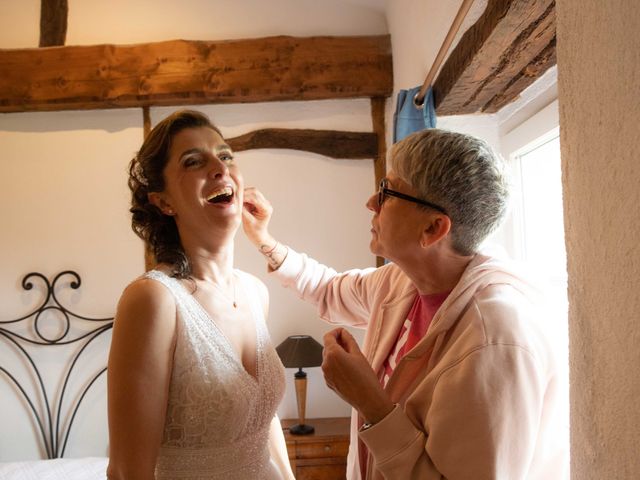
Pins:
<point x="383" y="192"/>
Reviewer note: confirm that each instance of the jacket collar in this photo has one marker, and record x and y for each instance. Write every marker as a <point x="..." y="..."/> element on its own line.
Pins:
<point x="392" y="317"/>
<point x="481" y="272"/>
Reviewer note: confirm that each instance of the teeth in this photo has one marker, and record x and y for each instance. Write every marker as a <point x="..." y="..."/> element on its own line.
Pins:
<point x="223" y="191"/>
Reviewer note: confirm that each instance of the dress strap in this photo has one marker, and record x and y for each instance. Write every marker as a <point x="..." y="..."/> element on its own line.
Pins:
<point x="171" y="283"/>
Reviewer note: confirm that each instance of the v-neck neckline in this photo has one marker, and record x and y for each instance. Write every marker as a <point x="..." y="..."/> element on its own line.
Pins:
<point x="225" y="341"/>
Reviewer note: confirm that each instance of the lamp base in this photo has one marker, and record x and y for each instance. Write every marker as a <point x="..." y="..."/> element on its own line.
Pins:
<point x="301" y="429"/>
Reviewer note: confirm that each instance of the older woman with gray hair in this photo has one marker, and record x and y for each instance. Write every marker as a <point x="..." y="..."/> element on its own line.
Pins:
<point x="457" y="378"/>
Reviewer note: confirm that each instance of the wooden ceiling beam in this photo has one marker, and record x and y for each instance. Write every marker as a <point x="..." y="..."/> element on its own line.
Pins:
<point x="53" y="22"/>
<point x="510" y="45"/>
<point x="330" y="143"/>
<point x="183" y="72"/>
<point x="543" y="62"/>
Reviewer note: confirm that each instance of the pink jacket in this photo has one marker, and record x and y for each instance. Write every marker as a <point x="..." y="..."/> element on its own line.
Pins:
<point x="479" y="397"/>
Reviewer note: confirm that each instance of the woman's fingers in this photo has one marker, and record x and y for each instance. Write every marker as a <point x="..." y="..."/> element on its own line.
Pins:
<point x="255" y="203"/>
<point x="348" y="342"/>
<point x="256" y="214"/>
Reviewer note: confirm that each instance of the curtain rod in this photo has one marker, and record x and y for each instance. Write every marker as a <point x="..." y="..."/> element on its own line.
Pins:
<point x="418" y="100"/>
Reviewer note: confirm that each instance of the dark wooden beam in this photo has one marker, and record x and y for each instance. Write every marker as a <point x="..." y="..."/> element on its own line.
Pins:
<point x="380" y="160"/>
<point x="545" y="60"/>
<point x="378" y="121"/>
<point x="330" y="143"/>
<point x="195" y="72"/>
<point x="53" y="22"/>
<point x="492" y="55"/>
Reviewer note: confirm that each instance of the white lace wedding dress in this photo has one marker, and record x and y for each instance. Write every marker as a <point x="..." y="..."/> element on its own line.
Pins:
<point x="218" y="417"/>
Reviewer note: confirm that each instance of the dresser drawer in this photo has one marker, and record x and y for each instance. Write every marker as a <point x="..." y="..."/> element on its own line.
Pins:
<point x="321" y="455"/>
<point x="321" y="472"/>
<point x="322" y="449"/>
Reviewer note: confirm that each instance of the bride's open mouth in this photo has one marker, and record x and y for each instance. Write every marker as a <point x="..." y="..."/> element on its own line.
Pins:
<point x="223" y="195"/>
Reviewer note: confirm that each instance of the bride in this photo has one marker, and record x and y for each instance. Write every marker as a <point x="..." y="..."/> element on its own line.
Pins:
<point x="193" y="379"/>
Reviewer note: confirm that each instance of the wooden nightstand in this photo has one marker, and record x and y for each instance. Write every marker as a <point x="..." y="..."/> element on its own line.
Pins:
<point x="321" y="455"/>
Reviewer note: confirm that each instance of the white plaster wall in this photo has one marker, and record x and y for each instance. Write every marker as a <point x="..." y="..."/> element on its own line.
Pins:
<point x="64" y="199"/>
<point x="598" y="71"/>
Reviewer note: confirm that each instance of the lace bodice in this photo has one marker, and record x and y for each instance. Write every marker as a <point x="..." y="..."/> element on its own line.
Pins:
<point x="218" y="415"/>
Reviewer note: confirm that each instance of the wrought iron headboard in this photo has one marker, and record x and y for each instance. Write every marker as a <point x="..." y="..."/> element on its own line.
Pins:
<point x="52" y="436"/>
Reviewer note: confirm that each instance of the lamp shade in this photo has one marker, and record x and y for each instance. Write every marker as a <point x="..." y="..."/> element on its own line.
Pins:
<point x="299" y="351"/>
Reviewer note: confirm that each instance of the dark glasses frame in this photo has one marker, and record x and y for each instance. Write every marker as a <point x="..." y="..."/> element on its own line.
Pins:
<point x="383" y="192"/>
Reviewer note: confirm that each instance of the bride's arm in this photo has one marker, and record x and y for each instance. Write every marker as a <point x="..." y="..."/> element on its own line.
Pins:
<point x="138" y="377"/>
<point x="278" y="449"/>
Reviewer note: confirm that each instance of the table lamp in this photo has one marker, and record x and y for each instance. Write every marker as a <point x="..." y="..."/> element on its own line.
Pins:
<point x="299" y="351"/>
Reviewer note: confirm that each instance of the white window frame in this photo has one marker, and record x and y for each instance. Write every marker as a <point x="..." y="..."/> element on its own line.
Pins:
<point x="530" y="134"/>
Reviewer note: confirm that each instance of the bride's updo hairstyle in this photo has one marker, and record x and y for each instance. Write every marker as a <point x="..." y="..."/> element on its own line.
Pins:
<point x="146" y="175"/>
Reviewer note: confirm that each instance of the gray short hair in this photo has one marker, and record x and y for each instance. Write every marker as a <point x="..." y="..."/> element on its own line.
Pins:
<point x="462" y="174"/>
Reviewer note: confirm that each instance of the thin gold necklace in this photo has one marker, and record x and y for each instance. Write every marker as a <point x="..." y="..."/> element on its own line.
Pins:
<point x="225" y="295"/>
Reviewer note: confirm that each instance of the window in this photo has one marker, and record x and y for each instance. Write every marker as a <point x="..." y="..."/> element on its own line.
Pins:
<point x="538" y="216"/>
<point x="534" y="231"/>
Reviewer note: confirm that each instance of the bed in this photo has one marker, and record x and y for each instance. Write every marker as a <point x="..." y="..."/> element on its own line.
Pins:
<point x="53" y="365"/>
<point x="89" y="468"/>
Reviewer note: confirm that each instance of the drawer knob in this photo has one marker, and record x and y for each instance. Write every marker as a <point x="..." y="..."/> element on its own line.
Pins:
<point x="327" y="448"/>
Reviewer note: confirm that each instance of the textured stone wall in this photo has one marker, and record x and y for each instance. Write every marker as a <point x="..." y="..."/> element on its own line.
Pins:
<point x="599" y="97"/>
